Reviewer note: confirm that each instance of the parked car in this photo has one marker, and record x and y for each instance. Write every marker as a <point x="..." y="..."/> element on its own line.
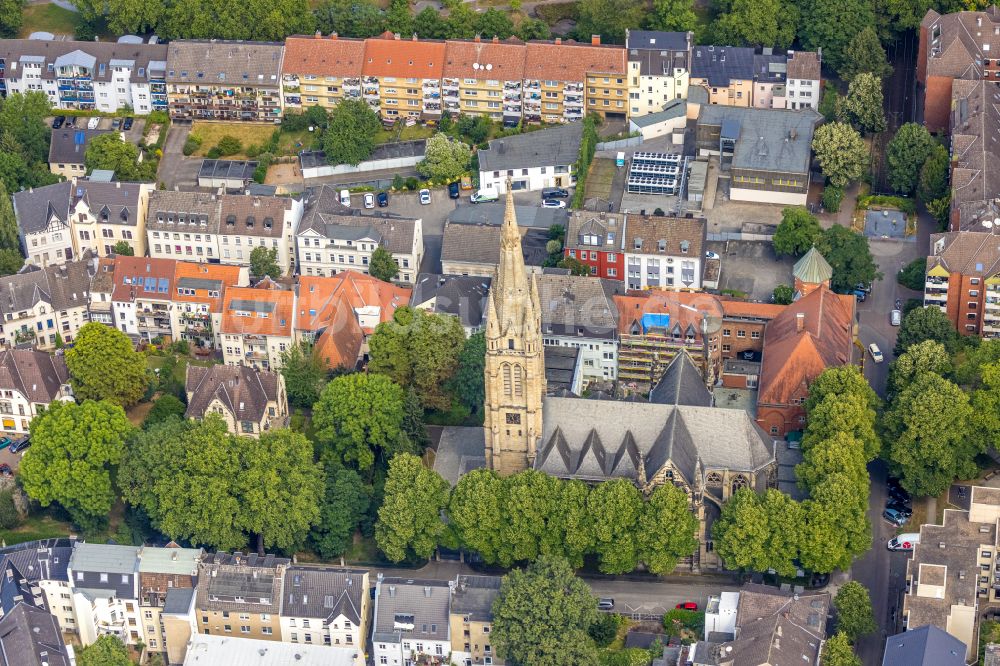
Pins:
<point x="369" y="200"/>
<point x="94" y="122"/>
<point x="58" y="121"/>
<point x="70" y="121"/>
<point x="454" y="190"/>
<point x="20" y="445"/>
<point x="553" y="203"/>
<point x="904" y="541"/>
<point x="895" y="517"/>
<point x="896" y="317"/>
<point x="875" y="352"/>
<point x="5" y="470"/>
<point x="383" y="199"/>
<point x="425" y="197"/>
<point x="5" y="442"/>
<point x="605" y="603"/>
<point x="860" y="295"/>
<point x="711" y="255"/>
<point x="861" y="286"/>
<point x="116" y="123"/>
<point x="687" y="605"/>
<point x="900" y="508"/>
<point x="345" y="197"/>
<point x="554" y="193"/>
<point x="483" y="196"/>
<point x="127" y="125"/>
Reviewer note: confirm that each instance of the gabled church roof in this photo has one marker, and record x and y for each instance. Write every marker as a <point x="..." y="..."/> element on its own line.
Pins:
<point x="682" y="384"/>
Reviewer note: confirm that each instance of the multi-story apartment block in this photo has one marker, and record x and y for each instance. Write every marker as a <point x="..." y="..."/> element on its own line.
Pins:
<point x="318" y="71"/>
<point x="332" y="238"/>
<point x="484" y="77"/>
<point x="975" y="166"/>
<point x="29" y="382"/>
<point x="183" y="225"/>
<point x="326" y="607"/>
<point x="564" y="84"/>
<point x="160" y="571"/>
<point x="726" y="72"/>
<point x="223" y="80"/>
<point x="257" y="326"/>
<point x="28" y="634"/>
<point x="99" y="76"/>
<point x="596" y="240"/>
<point x="105" y="586"/>
<point x="401" y="78"/>
<point x="411" y="622"/>
<point x="247" y="222"/>
<point x="963" y="279"/>
<point x="43" y="223"/>
<point x="532" y="161"/>
<point x="42" y="567"/>
<point x="740" y="76"/>
<point x="804" y="78"/>
<point x="471" y="620"/>
<point x="198" y="295"/>
<point x="664" y="252"/>
<point x="659" y="69"/>
<point x="39" y="305"/>
<point x="250" y="401"/>
<point x="240" y="595"/>
<point x="142" y="300"/>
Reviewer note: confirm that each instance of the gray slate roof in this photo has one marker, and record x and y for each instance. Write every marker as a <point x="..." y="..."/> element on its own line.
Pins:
<point x="151" y="58"/>
<point x="324" y="593"/>
<point x="224" y="577"/>
<point x="924" y="646"/>
<point x="547" y="147"/>
<point x="493" y="213"/>
<point x="480" y="244"/>
<point x="325" y="215"/>
<point x="421" y="603"/>
<point x="244" y="391"/>
<point x="34" y="374"/>
<point x="225" y="63"/>
<point x="112" y="203"/>
<point x="35" y="207"/>
<point x="31" y="637"/>
<point x="560" y="368"/>
<point x="178" y="600"/>
<point x="658" y="53"/>
<point x="104" y="558"/>
<point x="64" y="287"/>
<point x="576" y="304"/>
<point x="69" y="146"/>
<point x="462" y="296"/>
<point x="47" y="559"/>
<point x="682" y="384"/>
<point x="194" y="207"/>
<point x="769" y="139"/>
<point x="460" y="449"/>
<point x="722" y="64"/>
<point x="474" y="595"/>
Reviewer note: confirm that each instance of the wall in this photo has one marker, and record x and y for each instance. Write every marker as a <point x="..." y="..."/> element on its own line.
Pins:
<point x="768" y="196"/>
<point x="369" y="165"/>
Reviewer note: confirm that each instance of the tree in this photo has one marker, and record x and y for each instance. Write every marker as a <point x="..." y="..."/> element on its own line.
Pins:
<point x="11" y="17"/>
<point x="849" y="256"/>
<point x="926" y="323"/>
<point x="229" y="145"/>
<point x="531" y="496"/>
<point x="107" y="650"/>
<point x="835" y="527"/>
<point x="840" y="452"/>
<point x="418" y="349"/>
<point x="350" y="136"/>
<point x="382" y="266"/>
<point x="165" y="407"/>
<point x="305" y="374"/>
<point x="673" y="16"/>
<point x="906" y="155"/>
<point x="461" y="22"/>
<point x="531" y="28"/>
<point x="831" y="25"/>
<point x="476" y="513"/>
<point x="797" y="232"/>
<point x="741" y="531"/>
<point x="445" y="159"/>
<point x="926" y="356"/>
<point x="11" y="261"/>
<point x="608" y="18"/>
<point x="930" y="442"/>
<point x="123" y="249"/>
<point x="837" y="651"/>
<point x="829" y="102"/>
<point x="345" y="502"/>
<point x="933" y="182"/>
<point x="541" y="616"/>
<point x="865" y="55"/>
<point x="570" y="529"/>
<point x="103" y="365"/>
<point x="9" y="515"/>
<point x="840" y="380"/>
<point x="359" y="417"/>
<point x="575" y="266"/>
<point x="429" y="24"/>
<point x="854" y="611"/>
<point x="468" y="385"/>
<point x="863" y="105"/>
<point x="398" y="18"/>
<point x="74" y="452"/>
<point x="758" y="23"/>
<point x="22" y="118"/>
<point x="409" y="521"/>
<point x="356" y="18"/>
<point x="848" y="414"/>
<point x="616" y="506"/>
<point x="109" y="151"/>
<point x="985" y="403"/>
<point x="666" y="529"/>
<point x="9" y="234"/>
<point x="474" y="128"/>
<point x="841" y="153"/>
<point x="494" y="23"/>
<point x="264" y="262"/>
<point x="912" y="275"/>
<point x="783" y="294"/>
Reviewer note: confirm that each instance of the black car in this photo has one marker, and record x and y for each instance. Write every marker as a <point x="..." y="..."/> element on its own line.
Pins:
<point x="453" y="190"/>
<point x="127" y="125"/>
<point x="58" y="121"/>
<point x="558" y="192"/>
<point x="20" y="445"/>
<point x="901" y="507"/>
<point x="383" y="199"/>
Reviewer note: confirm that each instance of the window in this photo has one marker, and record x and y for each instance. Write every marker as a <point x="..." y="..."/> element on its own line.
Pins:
<point x="741" y="333"/>
<point x="267" y="631"/>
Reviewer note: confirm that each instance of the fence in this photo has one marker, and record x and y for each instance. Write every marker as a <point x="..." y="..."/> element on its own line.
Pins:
<point x="740" y="236"/>
<point x="392" y="156"/>
<point x="620" y="143"/>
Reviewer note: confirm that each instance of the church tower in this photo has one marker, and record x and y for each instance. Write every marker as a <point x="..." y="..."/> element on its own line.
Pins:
<point x="515" y="362"/>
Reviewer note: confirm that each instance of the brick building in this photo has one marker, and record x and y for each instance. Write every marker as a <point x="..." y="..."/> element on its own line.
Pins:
<point x="963" y="279"/>
<point x="595" y="239"/>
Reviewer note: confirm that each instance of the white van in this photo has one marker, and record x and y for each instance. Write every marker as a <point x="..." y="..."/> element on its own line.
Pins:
<point x="93" y="122"/>
<point x="345" y="197"/>
<point x="484" y="195"/>
<point x="904" y="541"/>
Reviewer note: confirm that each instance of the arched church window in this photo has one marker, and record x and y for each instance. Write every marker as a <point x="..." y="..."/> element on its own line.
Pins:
<point x="714" y="479"/>
<point x="740" y="481"/>
<point x="506" y="379"/>
<point x="518" y="380"/>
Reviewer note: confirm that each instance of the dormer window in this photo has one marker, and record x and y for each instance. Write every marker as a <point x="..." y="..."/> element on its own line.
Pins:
<point x="638" y="244"/>
<point x="231" y="220"/>
<point x="661" y="245"/>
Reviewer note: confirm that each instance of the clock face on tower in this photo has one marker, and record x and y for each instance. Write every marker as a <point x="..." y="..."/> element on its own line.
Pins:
<point x="513" y="419"/>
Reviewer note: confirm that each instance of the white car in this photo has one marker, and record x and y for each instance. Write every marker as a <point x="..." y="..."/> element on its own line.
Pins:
<point x="345" y="197"/>
<point x="875" y="352"/>
<point x="711" y="255"/>
<point x="425" y="197"/>
<point x="93" y="122"/>
<point x="553" y="203"/>
<point x="369" y="200"/>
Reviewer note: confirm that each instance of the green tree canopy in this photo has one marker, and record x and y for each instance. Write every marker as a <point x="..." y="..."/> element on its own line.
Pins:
<point x="541" y="616"/>
<point x="165" y="407"/>
<point x="985" y="403"/>
<point x="758" y="533"/>
<point x="409" y="521"/>
<point x="863" y="106"/>
<point x="783" y="294"/>
<point x="494" y="23"/>
<point x="446" y="158"/>
<point x="906" y="155"/>
<point x="264" y="262"/>
<point x="797" y="232"/>
<point x="933" y="181"/>
<point x="608" y="18"/>
<point x="570" y="532"/>
<point x="838" y="652"/>
<point x="305" y="372"/>
<point x="849" y="256"/>
<point x="382" y="266"/>
<point x="840" y="452"/>
<point x="345" y="502"/>
<point x="912" y="275"/>
<point x="74" y="452"/>
<point x="110" y="151"/>
<point x="841" y="152"/>
<point x="468" y="384"/>
<point x="616" y="507"/>
<point x="758" y="23"/>
<point x="257" y="20"/>
<point x="840" y="380"/>
<point x="9" y="234"/>
<point x="22" y="119"/>
<point x="673" y="16"/>
<point x="854" y="611"/>
<point x="832" y="25"/>
<point x="926" y="323"/>
<point x="103" y="365"/>
<point x="107" y="650"/>
<point x="350" y="136"/>
<point x="531" y="28"/>
<point x="848" y="413"/>
<point x="11" y="261"/>
<point x="476" y="512"/>
<point x="666" y="529"/>
<point x="123" y="249"/>
<point x="865" y="54"/>
<point x="836" y="527"/>
<point x="926" y="356"/>
<point x="357" y="18"/>
<point x="429" y="24"/>
<point x="530" y="497"/>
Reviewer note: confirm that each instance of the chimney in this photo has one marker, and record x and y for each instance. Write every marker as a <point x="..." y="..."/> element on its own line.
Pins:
<point x="595" y="40"/>
<point x="118" y="184"/>
<point x="558" y="41"/>
<point x="800" y="321"/>
<point x="318" y="35"/>
<point x="333" y="35"/>
<point x="496" y="40"/>
<point x="477" y="38"/>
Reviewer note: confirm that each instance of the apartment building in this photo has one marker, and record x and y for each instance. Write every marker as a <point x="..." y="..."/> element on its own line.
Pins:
<point x="563" y="84"/>
<point x="98" y="76"/>
<point x="411" y="622"/>
<point x="105" y="587"/>
<point x="162" y="570"/>
<point x="963" y="280"/>
<point x="142" y="300"/>
<point x="42" y="565"/>
<point x="247" y="222"/>
<point x="39" y="305"/>
<point x="198" y="296"/>
<point x="68" y="150"/>
<point x="43" y="223"/>
<point x="102" y="286"/>
<point x="769" y="85"/>
<point x="183" y="225"/>
<point x="484" y="78"/>
<point x="224" y="80"/>
<point x="249" y="401"/>
<point x="953" y="571"/>
<point x="257" y="326"/>
<point x="471" y="620"/>
<point x="664" y="252"/>
<point x="326" y="607"/>
<point x="28" y="634"/>
<point x="596" y="239"/>
<point x="460" y="296"/>
<point x="239" y="595"/>
<point x="29" y="382"/>
<point x="804" y="79"/>
<point x="401" y="78"/>
<point x="726" y="72"/>
<point x="533" y="161"/>
<point x="318" y="71"/>
<point x="975" y="169"/>
<point x="659" y="69"/>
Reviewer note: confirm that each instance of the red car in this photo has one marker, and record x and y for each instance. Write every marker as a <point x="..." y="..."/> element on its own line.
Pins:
<point x="687" y="605"/>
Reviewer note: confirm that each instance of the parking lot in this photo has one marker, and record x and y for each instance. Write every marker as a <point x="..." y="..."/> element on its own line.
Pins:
<point x="752" y="268"/>
<point x="133" y="135"/>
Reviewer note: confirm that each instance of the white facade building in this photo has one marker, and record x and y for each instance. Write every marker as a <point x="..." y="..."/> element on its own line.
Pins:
<point x="532" y="161"/>
<point x="105" y="584"/>
<point x="658" y="69"/>
<point x="664" y="253"/>
<point x="411" y="619"/>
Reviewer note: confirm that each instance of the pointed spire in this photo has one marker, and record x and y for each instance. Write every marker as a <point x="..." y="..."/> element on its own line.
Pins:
<point x="511" y="236"/>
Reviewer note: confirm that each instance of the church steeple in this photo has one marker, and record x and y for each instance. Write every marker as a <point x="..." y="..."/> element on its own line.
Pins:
<point x="515" y="364"/>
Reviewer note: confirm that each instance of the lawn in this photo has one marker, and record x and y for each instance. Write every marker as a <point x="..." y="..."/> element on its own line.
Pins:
<point x="602" y="172"/>
<point x="249" y="134"/>
<point x="48" y="18"/>
<point x="36" y="527"/>
<point x="411" y="133"/>
<point x="180" y="370"/>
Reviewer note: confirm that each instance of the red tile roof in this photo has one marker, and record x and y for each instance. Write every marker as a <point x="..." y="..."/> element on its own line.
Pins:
<point x="340" y="343"/>
<point x="229" y="276"/>
<point x="320" y="298"/>
<point x="503" y="61"/>
<point x="386" y="55"/>
<point x="684" y="307"/>
<point x="332" y="56"/>
<point x="749" y="309"/>
<point x="549" y="61"/>
<point x="277" y="305"/>
<point x="133" y="275"/>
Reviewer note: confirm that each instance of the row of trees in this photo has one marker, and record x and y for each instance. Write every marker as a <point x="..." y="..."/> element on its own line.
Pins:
<point x="918" y="164"/>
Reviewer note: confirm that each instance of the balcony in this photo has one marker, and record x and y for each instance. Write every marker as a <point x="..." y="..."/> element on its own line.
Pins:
<point x="935" y="283"/>
<point x="936" y="299"/>
<point x="451" y="84"/>
<point x="573" y="87"/>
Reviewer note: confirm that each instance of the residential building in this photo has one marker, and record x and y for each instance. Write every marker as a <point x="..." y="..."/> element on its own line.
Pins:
<point x="953" y="570"/>
<point x="410" y="622"/>
<point x="326" y="607"/>
<point x="30" y="636"/>
<point x="102" y="285"/>
<point x="224" y="80"/>
<point x="531" y="161"/>
<point x="239" y="595"/>
<point x="460" y="296"/>
<point x="664" y="252"/>
<point x="767" y="152"/>
<point x="401" y="78"/>
<point x="597" y="239"/>
<point x="143" y="296"/>
<point x="90" y="76"/>
<point x="744" y="77"/>
<point x="68" y="150"/>
<point x="332" y="238"/>
<point x="230" y="651"/>
<point x="924" y="646"/>
<point x="471" y="620"/>
<point x="659" y="69"/>
<point x="179" y="623"/>
<point x="198" y="295"/>
<point x="162" y="570"/>
<point x="36" y="571"/>
<point x="318" y="71"/>
<point x="257" y="326"/>
<point x="963" y="279"/>
<point x="43" y="223"/>
<point x="105" y="585"/>
<point x="726" y="72"/>
<point x="804" y="79"/>
<point x="183" y="225"/>
<point x="975" y="158"/>
<point x="250" y="401"/>
<point x="474" y="249"/>
<point x="948" y="52"/>
<point x="247" y="222"/>
<point x="564" y="82"/>
<point x="484" y="77"/>
<point x="40" y="305"/>
<point x="104" y="214"/>
<point x="30" y="381"/>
